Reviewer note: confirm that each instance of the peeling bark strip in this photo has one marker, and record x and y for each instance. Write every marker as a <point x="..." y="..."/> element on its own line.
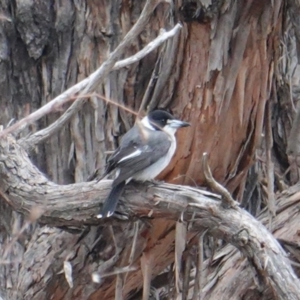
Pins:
<point x="77" y="204"/>
<point x="217" y="73"/>
<point x="69" y="95"/>
<point x="232" y="266"/>
<point x="89" y="84"/>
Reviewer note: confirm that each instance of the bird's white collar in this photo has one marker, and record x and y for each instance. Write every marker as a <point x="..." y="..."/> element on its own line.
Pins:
<point x="168" y="129"/>
<point x="145" y="121"/>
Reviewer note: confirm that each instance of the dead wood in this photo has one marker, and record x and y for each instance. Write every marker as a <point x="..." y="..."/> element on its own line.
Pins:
<point x="219" y="74"/>
<point x="77" y="204"/>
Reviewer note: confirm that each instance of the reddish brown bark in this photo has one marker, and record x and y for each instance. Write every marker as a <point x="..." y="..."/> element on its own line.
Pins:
<point x="219" y="73"/>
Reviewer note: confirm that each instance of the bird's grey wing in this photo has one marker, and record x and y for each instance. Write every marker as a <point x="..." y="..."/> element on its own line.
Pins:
<point x="130" y="142"/>
<point x="144" y="155"/>
<point x="117" y="156"/>
<point x="127" y="146"/>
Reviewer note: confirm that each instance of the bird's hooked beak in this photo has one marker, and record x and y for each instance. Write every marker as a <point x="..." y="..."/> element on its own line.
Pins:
<point x="177" y="124"/>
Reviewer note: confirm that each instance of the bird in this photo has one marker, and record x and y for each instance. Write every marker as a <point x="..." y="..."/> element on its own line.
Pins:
<point x="144" y="152"/>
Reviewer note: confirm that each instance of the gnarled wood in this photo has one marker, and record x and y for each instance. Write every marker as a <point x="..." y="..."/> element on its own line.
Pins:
<point x="229" y="60"/>
<point x="77" y="204"/>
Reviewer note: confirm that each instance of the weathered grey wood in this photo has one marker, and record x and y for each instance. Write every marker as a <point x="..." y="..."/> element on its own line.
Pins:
<point x="218" y="74"/>
<point x="234" y="268"/>
<point x="26" y="189"/>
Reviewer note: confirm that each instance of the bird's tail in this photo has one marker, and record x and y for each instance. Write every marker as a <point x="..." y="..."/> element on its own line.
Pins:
<point x="111" y="201"/>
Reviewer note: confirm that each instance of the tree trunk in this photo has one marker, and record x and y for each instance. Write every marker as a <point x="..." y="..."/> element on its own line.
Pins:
<point x="229" y="72"/>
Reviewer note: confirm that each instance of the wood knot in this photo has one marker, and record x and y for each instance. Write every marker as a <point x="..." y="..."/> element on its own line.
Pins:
<point x="241" y="238"/>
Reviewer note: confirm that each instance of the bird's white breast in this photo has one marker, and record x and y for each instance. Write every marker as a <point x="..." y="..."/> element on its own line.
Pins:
<point x="152" y="171"/>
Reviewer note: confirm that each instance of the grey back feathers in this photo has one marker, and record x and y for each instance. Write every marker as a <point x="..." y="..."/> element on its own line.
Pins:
<point x="145" y="150"/>
<point x="140" y="147"/>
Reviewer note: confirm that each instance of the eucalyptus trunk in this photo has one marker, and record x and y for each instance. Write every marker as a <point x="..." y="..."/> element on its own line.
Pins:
<point x="231" y="71"/>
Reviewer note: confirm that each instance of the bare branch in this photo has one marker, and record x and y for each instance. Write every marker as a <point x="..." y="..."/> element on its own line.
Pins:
<point x="147" y="268"/>
<point x="198" y="285"/>
<point x="89" y="84"/>
<point x="180" y="243"/>
<point x="28" y="188"/>
<point x="227" y="200"/>
<point x="163" y="36"/>
<point x="269" y="162"/>
<point x="42" y="135"/>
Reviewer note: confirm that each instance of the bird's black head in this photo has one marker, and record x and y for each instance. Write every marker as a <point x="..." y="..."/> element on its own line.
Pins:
<point x="158" y="118"/>
<point x="162" y="120"/>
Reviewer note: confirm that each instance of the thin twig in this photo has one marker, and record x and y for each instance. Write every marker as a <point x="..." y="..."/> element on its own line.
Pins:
<point x="134" y="242"/>
<point x="147" y="268"/>
<point x="111" y="229"/>
<point x="199" y="270"/>
<point x="97" y="277"/>
<point x="89" y="84"/>
<point x="163" y="36"/>
<point x="269" y="163"/>
<point x="149" y="89"/>
<point x="186" y="277"/>
<point x="180" y="244"/>
<point x="45" y="133"/>
<point x="133" y="246"/>
<point x="119" y="287"/>
<point x="226" y="199"/>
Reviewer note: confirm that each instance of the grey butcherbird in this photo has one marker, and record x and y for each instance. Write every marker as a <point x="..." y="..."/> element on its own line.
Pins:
<point x="145" y="150"/>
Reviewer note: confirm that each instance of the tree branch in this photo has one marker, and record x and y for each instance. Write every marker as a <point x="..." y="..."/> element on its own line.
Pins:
<point x="77" y="204"/>
<point x="89" y="84"/>
<point x="163" y="36"/>
<point x="40" y="136"/>
<point x="227" y="200"/>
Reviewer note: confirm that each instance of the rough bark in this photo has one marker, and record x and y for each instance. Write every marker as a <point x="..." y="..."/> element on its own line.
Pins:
<point x="204" y="76"/>
<point x="26" y="189"/>
<point x="218" y="73"/>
